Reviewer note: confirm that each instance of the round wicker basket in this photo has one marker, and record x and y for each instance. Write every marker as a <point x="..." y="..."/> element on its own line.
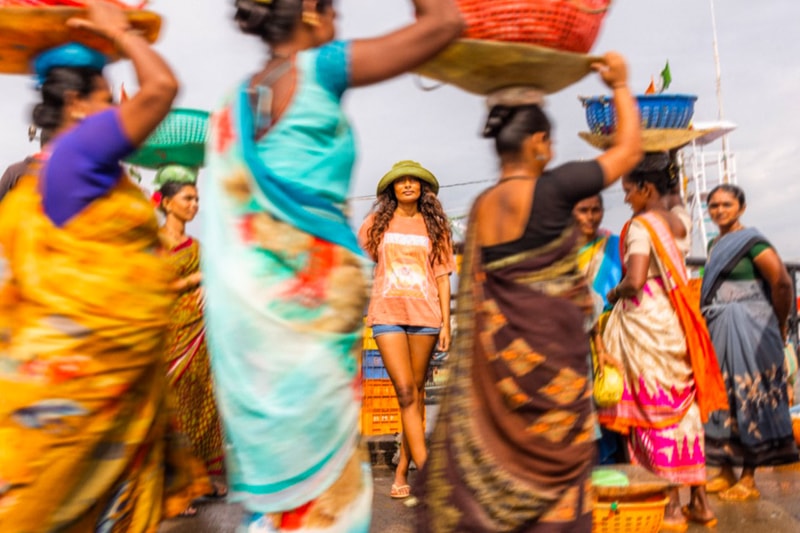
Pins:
<point x="25" y="32"/>
<point x="629" y="517"/>
<point x="180" y="139"/>
<point x="658" y="111"/>
<point x="569" y="25"/>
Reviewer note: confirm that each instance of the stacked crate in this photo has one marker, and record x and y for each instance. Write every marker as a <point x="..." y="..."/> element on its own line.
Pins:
<point x="380" y="412"/>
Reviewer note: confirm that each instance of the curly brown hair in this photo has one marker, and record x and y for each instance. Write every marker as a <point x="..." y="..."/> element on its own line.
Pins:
<point x="436" y="222"/>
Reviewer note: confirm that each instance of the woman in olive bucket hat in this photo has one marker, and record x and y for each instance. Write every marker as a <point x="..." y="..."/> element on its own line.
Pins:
<point x="408" y="235"/>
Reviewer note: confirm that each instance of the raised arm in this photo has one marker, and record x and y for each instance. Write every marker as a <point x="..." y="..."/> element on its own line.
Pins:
<point x="626" y="150"/>
<point x="438" y="23"/>
<point x="157" y="84"/>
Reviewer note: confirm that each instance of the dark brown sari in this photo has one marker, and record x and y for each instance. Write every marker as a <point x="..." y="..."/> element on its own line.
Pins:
<point x="514" y="440"/>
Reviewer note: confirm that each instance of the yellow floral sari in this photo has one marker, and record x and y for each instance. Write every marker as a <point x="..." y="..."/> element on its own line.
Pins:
<point x="85" y="424"/>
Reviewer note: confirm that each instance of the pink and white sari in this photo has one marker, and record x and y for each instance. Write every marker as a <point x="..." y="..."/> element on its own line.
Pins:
<point x="668" y="391"/>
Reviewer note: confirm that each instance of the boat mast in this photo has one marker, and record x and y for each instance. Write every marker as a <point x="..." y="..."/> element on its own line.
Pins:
<point x="720" y="113"/>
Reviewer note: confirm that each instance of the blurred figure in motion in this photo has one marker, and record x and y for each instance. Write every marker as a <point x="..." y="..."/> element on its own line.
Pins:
<point x="188" y="365"/>
<point x="746" y="299"/>
<point x="84" y="420"/>
<point x="282" y="269"/>
<point x="514" y="441"/>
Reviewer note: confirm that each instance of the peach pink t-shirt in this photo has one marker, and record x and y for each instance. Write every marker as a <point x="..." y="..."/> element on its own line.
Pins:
<point x="404" y="290"/>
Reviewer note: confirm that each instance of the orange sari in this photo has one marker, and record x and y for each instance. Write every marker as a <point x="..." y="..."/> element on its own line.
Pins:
<point x="188" y="366"/>
<point x="85" y="422"/>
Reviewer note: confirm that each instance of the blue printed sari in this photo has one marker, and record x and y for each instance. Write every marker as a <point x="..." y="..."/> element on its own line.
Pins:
<point x="285" y="297"/>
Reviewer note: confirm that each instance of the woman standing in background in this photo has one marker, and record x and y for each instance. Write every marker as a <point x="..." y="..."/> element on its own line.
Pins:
<point x="188" y="365"/>
<point x="746" y="299"/>
<point x="408" y="236"/>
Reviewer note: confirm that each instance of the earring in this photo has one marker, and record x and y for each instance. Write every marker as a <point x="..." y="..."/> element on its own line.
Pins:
<point x="311" y="18"/>
<point x="540" y="157"/>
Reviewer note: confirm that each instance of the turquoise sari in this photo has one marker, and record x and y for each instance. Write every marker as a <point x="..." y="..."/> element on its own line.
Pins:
<point x="285" y="295"/>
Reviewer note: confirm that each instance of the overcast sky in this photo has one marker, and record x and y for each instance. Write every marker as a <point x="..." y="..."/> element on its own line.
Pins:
<point x="760" y="58"/>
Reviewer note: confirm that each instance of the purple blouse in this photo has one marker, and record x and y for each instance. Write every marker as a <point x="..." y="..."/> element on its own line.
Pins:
<point x="83" y="165"/>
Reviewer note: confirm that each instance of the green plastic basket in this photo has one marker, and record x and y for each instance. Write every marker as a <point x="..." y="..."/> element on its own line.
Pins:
<point x="180" y="139"/>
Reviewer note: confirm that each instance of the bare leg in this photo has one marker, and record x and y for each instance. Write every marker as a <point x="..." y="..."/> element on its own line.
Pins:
<point x="722" y="481"/>
<point x="400" y="355"/>
<point x="699" y="510"/>
<point x="673" y="517"/>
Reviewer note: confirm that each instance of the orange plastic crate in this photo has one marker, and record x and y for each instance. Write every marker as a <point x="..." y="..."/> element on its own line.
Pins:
<point x="378" y="387"/>
<point x="380" y="421"/>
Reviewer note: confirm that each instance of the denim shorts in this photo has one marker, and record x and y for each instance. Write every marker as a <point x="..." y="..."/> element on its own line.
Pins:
<point x="380" y="329"/>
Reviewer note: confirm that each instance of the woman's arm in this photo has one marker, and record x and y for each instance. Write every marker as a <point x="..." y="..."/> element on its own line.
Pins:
<point x="637" y="263"/>
<point x="363" y="235"/>
<point x="192" y="281"/>
<point x="636" y="266"/>
<point x="626" y="150"/>
<point x="438" y="23"/>
<point x="443" y="287"/>
<point x="157" y="84"/>
<point x="771" y="268"/>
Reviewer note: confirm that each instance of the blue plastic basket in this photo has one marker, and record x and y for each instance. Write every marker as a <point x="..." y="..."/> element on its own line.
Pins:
<point x="658" y="111"/>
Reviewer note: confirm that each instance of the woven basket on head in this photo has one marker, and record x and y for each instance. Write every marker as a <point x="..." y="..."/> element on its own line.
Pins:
<point x="655" y="140"/>
<point x="180" y="139"/>
<point x="25" y="32"/>
<point x="569" y="25"/>
<point x="482" y="67"/>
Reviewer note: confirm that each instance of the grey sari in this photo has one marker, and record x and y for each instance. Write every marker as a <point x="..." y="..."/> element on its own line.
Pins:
<point x="757" y="430"/>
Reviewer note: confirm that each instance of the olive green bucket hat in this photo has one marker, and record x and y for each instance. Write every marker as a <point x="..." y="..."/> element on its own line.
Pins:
<point x="408" y="168"/>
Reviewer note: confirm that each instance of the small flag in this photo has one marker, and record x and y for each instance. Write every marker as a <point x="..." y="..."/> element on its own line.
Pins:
<point x="651" y="89"/>
<point x="666" y="78"/>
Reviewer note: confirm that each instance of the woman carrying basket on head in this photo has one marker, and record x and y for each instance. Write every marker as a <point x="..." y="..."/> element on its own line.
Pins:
<point x="408" y="235"/>
<point x="672" y="381"/>
<point x="514" y="441"/>
<point x="283" y="272"/>
<point x="87" y="440"/>
<point x="188" y="364"/>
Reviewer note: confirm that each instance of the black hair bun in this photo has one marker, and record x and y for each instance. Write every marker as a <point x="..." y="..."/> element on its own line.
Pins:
<point x="499" y="115"/>
<point x="653" y="162"/>
<point x="252" y="16"/>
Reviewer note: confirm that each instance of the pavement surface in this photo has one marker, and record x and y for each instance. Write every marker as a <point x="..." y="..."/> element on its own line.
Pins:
<point x="778" y="511"/>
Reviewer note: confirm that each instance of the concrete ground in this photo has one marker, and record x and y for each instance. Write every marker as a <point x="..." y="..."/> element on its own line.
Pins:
<point x="777" y="512"/>
<point x="388" y="515"/>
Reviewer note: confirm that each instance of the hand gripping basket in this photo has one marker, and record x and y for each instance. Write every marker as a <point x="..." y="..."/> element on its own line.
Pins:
<point x="568" y="25"/>
<point x="180" y="139"/>
<point x="658" y="111"/>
